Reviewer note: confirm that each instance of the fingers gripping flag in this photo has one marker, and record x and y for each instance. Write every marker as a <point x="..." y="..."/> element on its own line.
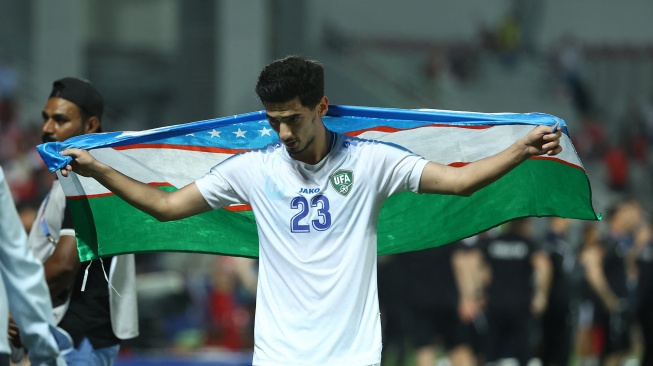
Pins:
<point x="172" y="157"/>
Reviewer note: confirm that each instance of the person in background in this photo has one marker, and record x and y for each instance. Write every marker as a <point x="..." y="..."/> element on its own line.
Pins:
<point x="24" y="293"/>
<point x="520" y="273"/>
<point x="606" y="273"/>
<point x="644" y="295"/>
<point x="559" y="319"/>
<point x="446" y="297"/>
<point x="96" y="312"/>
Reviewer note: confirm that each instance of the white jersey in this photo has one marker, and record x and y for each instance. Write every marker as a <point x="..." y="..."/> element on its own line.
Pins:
<point x="317" y="300"/>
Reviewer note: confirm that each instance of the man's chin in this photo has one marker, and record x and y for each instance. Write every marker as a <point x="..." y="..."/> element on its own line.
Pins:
<point x="294" y="150"/>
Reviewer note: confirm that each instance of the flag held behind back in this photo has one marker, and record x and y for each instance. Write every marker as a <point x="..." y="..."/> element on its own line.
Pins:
<point x="172" y="157"/>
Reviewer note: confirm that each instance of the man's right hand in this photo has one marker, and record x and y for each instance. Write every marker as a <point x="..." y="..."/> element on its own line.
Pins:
<point x="83" y="163"/>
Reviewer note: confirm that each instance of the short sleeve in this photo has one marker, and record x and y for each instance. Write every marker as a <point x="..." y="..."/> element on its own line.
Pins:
<point x="400" y="170"/>
<point x="227" y="183"/>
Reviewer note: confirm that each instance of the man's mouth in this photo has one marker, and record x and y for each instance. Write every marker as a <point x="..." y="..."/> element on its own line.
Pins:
<point x="291" y="144"/>
<point x="47" y="138"/>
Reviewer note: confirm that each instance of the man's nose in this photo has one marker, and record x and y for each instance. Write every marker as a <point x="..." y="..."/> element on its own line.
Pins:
<point x="284" y="131"/>
<point x="48" y="126"/>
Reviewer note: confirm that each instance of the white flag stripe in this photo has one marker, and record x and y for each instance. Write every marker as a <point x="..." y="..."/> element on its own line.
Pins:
<point x="445" y="145"/>
<point x="177" y="167"/>
<point x="448" y="145"/>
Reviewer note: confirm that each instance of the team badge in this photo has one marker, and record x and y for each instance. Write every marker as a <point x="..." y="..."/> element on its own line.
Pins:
<point x="342" y="181"/>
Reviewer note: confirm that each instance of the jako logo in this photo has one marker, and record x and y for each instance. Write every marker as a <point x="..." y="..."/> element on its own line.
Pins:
<point x="342" y="181"/>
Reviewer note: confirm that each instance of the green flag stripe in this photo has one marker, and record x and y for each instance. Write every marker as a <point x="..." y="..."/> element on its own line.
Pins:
<point x="433" y="220"/>
<point x="408" y="221"/>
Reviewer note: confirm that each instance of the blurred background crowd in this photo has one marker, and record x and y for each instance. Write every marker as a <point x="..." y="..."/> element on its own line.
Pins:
<point x="170" y="61"/>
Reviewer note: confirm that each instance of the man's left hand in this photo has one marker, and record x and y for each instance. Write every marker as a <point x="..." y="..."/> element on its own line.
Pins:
<point x="541" y="140"/>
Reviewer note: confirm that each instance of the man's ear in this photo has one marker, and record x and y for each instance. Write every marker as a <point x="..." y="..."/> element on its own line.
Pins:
<point x="323" y="106"/>
<point x="92" y="125"/>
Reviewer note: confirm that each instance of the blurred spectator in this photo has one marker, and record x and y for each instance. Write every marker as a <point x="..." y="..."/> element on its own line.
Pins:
<point x="509" y="40"/>
<point x="518" y="291"/>
<point x="569" y="65"/>
<point x="438" y="73"/>
<point x="445" y="299"/>
<point x="393" y="279"/>
<point x="590" y="140"/>
<point x="644" y="295"/>
<point x="26" y="173"/>
<point x="589" y="338"/>
<point x="617" y="166"/>
<point x="647" y="115"/>
<point x="8" y="87"/>
<point x="632" y="128"/>
<point x="231" y="299"/>
<point x="530" y="15"/>
<point x="604" y="261"/>
<point x="558" y="321"/>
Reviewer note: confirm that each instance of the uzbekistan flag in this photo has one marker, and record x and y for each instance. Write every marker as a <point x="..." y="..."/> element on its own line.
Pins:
<point x="172" y="157"/>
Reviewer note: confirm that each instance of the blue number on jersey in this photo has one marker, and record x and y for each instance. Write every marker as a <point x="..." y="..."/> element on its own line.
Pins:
<point x="301" y="203"/>
<point x="325" y="217"/>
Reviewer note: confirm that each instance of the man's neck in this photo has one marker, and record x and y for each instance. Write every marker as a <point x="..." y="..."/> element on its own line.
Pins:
<point x="319" y="150"/>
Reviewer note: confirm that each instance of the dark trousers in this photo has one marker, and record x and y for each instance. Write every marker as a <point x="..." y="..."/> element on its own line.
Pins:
<point x="557" y="336"/>
<point x="508" y="336"/>
<point x="645" y="319"/>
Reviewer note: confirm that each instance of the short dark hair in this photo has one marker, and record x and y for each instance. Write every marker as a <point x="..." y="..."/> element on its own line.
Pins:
<point x="290" y="77"/>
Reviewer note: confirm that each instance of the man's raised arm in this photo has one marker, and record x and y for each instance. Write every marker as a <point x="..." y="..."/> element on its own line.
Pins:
<point x="162" y="205"/>
<point x="464" y="181"/>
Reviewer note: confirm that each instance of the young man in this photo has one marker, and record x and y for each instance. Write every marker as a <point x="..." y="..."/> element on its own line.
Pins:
<point x="95" y="315"/>
<point x="23" y="291"/>
<point x="317" y="295"/>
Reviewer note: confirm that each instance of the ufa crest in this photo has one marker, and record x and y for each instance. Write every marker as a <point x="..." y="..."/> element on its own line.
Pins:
<point x="342" y="181"/>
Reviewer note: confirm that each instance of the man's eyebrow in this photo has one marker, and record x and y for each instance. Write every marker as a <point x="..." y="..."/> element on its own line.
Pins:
<point x="283" y="117"/>
<point x="59" y="116"/>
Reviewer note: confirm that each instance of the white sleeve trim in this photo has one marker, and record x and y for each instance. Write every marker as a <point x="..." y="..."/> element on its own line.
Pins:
<point x="67" y="232"/>
<point x="416" y="175"/>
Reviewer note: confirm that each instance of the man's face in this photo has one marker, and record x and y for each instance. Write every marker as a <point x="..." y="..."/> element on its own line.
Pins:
<point x="295" y="124"/>
<point x="62" y="120"/>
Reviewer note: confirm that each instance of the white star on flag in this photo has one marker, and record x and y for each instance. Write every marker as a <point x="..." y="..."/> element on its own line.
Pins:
<point x="191" y="134"/>
<point x="265" y="131"/>
<point x="214" y="133"/>
<point x="240" y="133"/>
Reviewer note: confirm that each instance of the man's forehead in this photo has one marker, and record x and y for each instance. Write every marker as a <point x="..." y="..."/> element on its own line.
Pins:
<point x="282" y="114"/>
<point x="292" y="106"/>
<point x="61" y="106"/>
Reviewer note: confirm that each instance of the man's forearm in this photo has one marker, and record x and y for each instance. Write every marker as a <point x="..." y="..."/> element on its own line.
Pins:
<point x="464" y="181"/>
<point x="482" y="173"/>
<point x="543" y="273"/>
<point x="466" y="274"/>
<point x="146" y="198"/>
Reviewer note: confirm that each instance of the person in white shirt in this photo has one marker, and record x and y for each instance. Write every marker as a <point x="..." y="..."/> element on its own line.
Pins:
<point x="316" y="196"/>
<point x="23" y="291"/>
<point x="98" y="311"/>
